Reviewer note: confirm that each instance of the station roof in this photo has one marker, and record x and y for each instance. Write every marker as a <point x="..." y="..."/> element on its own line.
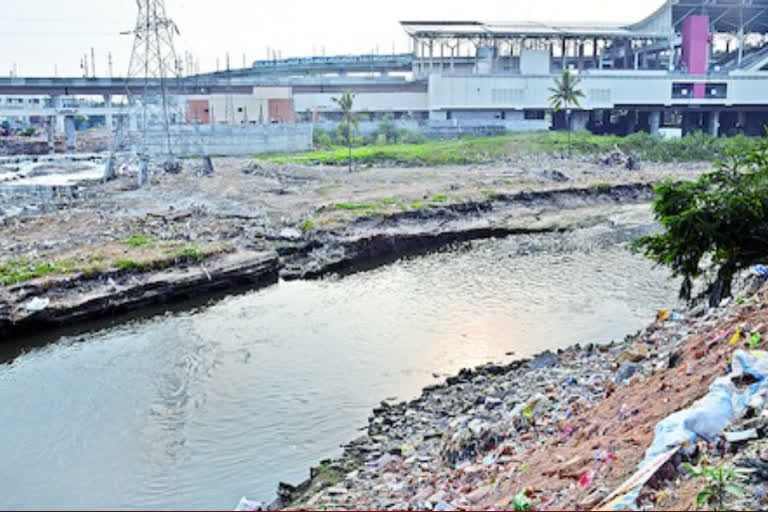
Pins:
<point x="725" y="15"/>
<point x="472" y="29"/>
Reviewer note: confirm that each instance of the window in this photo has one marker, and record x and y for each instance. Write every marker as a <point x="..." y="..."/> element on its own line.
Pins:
<point x="240" y="110"/>
<point x="682" y="90"/>
<point x="717" y="90"/>
<point x="533" y="114"/>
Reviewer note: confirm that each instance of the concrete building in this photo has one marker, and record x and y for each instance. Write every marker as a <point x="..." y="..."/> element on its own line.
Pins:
<point x="666" y="66"/>
<point x="693" y="64"/>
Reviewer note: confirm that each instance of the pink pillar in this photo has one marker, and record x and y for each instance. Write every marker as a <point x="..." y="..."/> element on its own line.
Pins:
<point x="695" y="50"/>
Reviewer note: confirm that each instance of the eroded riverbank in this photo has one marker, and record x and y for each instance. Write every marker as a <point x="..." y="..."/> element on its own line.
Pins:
<point x="98" y="250"/>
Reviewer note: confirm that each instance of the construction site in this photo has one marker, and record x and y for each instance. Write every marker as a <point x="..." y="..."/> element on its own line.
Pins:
<point x="402" y="281"/>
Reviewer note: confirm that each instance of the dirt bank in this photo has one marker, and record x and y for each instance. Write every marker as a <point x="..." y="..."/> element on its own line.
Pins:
<point x="61" y="247"/>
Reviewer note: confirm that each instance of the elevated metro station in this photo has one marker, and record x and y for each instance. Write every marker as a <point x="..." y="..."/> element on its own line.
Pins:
<point x="700" y="65"/>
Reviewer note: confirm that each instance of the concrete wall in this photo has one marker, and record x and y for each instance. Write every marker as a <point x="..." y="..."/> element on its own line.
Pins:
<point x="534" y="62"/>
<point x="602" y="89"/>
<point x="233" y="139"/>
<point x="366" y="128"/>
<point x="372" y="102"/>
<point x="453" y="127"/>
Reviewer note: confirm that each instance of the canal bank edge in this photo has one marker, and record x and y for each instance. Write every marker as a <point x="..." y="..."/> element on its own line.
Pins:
<point x="48" y="303"/>
<point x="557" y="431"/>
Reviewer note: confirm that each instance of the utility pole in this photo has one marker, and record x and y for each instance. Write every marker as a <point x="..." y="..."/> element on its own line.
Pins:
<point x="109" y="63"/>
<point x="93" y="62"/>
<point x="229" y="105"/>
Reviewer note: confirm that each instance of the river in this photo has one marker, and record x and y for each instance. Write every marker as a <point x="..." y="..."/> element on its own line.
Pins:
<point x="194" y="409"/>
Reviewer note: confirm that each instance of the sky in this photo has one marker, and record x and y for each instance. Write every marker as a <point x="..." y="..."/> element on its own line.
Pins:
<point x="47" y="37"/>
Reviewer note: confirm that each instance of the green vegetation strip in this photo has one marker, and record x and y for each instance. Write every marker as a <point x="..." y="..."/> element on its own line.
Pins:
<point x="171" y="253"/>
<point x="467" y="150"/>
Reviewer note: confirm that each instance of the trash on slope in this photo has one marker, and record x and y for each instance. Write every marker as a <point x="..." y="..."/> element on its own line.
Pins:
<point x="707" y="418"/>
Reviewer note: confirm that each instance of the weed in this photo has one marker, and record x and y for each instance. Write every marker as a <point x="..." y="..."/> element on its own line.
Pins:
<point x="191" y="254"/>
<point x="417" y="205"/>
<point x="603" y="187"/>
<point x="307" y="226"/>
<point x="491" y="194"/>
<point x="355" y="206"/>
<point x="139" y="241"/>
<point x="439" y="198"/>
<point x="719" y="484"/>
<point x="127" y="265"/>
<point x="388" y="201"/>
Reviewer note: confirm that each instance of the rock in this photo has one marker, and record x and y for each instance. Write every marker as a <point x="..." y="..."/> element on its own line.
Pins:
<point x="291" y="234"/>
<point x="445" y="506"/>
<point x="634" y="354"/>
<point x="545" y="360"/>
<point x="478" y="494"/>
<point x="492" y="402"/>
<point x="626" y="371"/>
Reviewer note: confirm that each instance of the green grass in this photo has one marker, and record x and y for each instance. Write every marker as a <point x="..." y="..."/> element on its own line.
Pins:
<point x="491" y="194"/>
<point x="307" y="226"/>
<point x="417" y="205"/>
<point x="20" y="270"/>
<point x="190" y="254"/>
<point x="139" y="241"/>
<point x="355" y="206"/>
<point x="439" y="198"/>
<point x="128" y="265"/>
<point x="431" y="152"/>
<point x="389" y="201"/>
<point x="468" y="150"/>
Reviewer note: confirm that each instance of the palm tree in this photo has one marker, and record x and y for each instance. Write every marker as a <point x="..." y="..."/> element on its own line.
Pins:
<point x="346" y="103"/>
<point x="564" y="95"/>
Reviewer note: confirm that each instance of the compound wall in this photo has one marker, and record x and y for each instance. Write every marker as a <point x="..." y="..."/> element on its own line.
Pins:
<point x="232" y="140"/>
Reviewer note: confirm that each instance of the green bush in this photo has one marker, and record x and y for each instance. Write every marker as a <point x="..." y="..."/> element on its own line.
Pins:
<point x="321" y="138"/>
<point x="714" y="226"/>
<point x="28" y="132"/>
<point x="408" y="137"/>
<point x="387" y="131"/>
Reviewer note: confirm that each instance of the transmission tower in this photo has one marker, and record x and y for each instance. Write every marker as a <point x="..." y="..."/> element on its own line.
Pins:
<point x="153" y="59"/>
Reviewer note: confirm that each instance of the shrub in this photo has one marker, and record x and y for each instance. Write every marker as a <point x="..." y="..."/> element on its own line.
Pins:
<point x="321" y="138"/>
<point x="387" y="131"/>
<point x="408" y="137"/>
<point x="721" y="219"/>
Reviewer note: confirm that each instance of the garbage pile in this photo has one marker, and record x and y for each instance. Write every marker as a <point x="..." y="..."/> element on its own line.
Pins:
<point x="618" y="158"/>
<point x="559" y="431"/>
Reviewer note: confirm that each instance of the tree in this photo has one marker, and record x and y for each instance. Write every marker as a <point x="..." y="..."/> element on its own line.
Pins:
<point x="714" y="226"/>
<point x="565" y="94"/>
<point x="346" y="104"/>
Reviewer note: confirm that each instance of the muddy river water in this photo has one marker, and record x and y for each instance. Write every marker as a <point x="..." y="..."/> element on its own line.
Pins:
<point x="194" y="409"/>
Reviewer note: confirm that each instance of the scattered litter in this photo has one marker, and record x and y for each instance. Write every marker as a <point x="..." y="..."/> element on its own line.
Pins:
<point x="246" y="505"/>
<point x="37" y="304"/>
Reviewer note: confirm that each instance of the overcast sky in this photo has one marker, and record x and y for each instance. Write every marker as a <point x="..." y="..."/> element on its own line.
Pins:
<point x="41" y="36"/>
